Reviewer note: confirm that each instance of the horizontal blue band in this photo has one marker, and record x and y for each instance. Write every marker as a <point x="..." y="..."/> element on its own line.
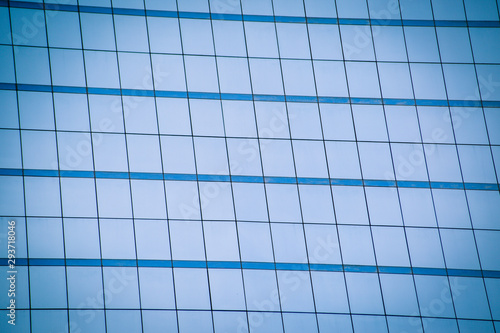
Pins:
<point x="73" y="90"/>
<point x="326" y="267"/>
<point x="258" y="18"/>
<point x="76" y="174"/>
<point x="347" y="182"/>
<point x="321" y="20"/>
<point x="418" y="23"/>
<point x="203" y="95"/>
<point x="155" y="263"/>
<point x="46" y="262"/>
<point x="290" y="19"/>
<point x="270" y="98"/>
<point x="224" y="264"/>
<point x="313" y="181"/>
<point x="258" y="265"/>
<point x="146" y="176"/>
<point x="179" y="176"/>
<point x="255" y="18"/>
<point x="394" y="101"/>
<point x="280" y="180"/>
<point x="465" y="103"/>
<point x="380" y="183"/>
<point x="25" y="4"/>
<point x="214" y="178"/>
<point x="394" y="270"/>
<point x="373" y="101"/>
<point x="92" y="9"/>
<point x="34" y="87"/>
<point x="480" y="24"/>
<point x="7" y="86"/>
<point x="173" y="94"/>
<point x="464" y="272"/>
<point x="227" y="17"/>
<point x="104" y="91"/>
<point x="334" y="100"/>
<point x="387" y="22"/>
<point x="247" y="179"/>
<point x="112" y="175"/>
<point x="354" y="21"/>
<point x="428" y="271"/>
<point x="247" y="97"/>
<point x="251" y="265"/>
<point x="447" y="185"/>
<point x="161" y="13"/>
<point x="119" y="263"/>
<point x="491" y="274"/>
<point x="414" y="184"/>
<point x="478" y="186"/>
<point x="491" y="104"/>
<point x="11" y="172"/>
<point x="41" y="173"/>
<point x="304" y="99"/>
<point x="137" y="92"/>
<point x="129" y="11"/>
<point x="361" y="269"/>
<point x="189" y="264"/>
<point x="431" y="102"/>
<point x="236" y="97"/>
<point x="83" y="262"/>
<point x="194" y="15"/>
<point x="292" y="266"/>
<point x="449" y="23"/>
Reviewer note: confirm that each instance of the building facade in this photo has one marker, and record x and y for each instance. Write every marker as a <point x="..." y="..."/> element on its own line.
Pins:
<point x="250" y="166"/>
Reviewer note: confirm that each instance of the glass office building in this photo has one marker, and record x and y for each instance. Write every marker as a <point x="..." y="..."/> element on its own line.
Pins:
<point x="213" y="166"/>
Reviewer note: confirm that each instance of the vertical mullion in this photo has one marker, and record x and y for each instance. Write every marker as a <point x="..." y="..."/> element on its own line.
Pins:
<point x="294" y="164"/>
<point x="262" y="170"/>
<point x="228" y="162"/>
<point x="93" y="165"/>
<point x="58" y="165"/>
<point x="22" y="166"/>
<point x="195" y="167"/>
<point x="492" y="159"/>
<point x="162" y="164"/>
<point x="128" y="162"/>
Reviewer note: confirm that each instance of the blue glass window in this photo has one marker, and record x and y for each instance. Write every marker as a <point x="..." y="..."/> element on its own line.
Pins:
<point x="325" y="40"/>
<point x="157" y="288"/>
<point x="113" y="198"/>
<point x="63" y="29"/>
<point x="282" y="202"/>
<point x="293" y="40"/>
<point x="28" y="27"/>
<point x="356" y="244"/>
<point x="117" y="241"/>
<point x="152" y="240"/>
<point x="78" y="197"/>
<point x="229" y="37"/>
<point x="249" y="202"/>
<point x="97" y="31"/>
<point x="350" y="205"/>
<point x="191" y="289"/>
<point x="159" y="41"/>
<point x="32" y="65"/>
<point x="101" y="69"/>
<point x="144" y="153"/>
<point x="131" y="33"/>
<point x="71" y="112"/>
<point x="81" y="237"/>
<point x="148" y="199"/>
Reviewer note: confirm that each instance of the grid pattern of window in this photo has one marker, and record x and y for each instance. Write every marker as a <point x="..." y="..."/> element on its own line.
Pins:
<point x="251" y="165"/>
